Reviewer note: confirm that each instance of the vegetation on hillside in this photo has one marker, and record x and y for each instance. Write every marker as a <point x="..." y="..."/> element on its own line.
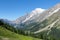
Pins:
<point x="8" y="32"/>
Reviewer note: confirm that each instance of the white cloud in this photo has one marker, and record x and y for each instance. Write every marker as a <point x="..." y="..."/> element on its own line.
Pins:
<point x="38" y="10"/>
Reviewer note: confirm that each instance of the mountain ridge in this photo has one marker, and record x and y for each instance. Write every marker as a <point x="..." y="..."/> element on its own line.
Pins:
<point x="45" y="24"/>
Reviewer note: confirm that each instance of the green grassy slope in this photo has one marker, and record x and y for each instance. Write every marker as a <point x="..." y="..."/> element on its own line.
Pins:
<point x="8" y="35"/>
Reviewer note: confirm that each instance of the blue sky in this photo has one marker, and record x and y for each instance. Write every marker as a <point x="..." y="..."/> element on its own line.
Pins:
<point x="12" y="9"/>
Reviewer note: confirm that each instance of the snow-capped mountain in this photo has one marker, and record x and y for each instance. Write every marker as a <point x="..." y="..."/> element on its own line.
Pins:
<point x="37" y="15"/>
<point x="37" y="12"/>
<point x="46" y="23"/>
<point x="40" y="21"/>
<point x="27" y="17"/>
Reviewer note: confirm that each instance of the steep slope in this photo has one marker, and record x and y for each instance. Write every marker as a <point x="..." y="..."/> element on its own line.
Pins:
<point x="27" y="19"/>
<point x="52" y="20"/>
<point x="50" y="27"/>
<point x="47" y="27"/>
<point x="29" y="16"/>
<point x="31" y="21"/>
<point x="46" y="24"/>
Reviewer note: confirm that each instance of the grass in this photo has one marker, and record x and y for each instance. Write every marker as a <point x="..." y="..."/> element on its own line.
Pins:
<point x="8" y="35"/>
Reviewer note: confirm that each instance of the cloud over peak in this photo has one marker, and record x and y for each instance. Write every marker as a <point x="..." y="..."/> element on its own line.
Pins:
<point x="38" y="10"/>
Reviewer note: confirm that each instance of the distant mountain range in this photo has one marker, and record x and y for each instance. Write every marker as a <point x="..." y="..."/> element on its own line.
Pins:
<point x="46" y="22"/>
